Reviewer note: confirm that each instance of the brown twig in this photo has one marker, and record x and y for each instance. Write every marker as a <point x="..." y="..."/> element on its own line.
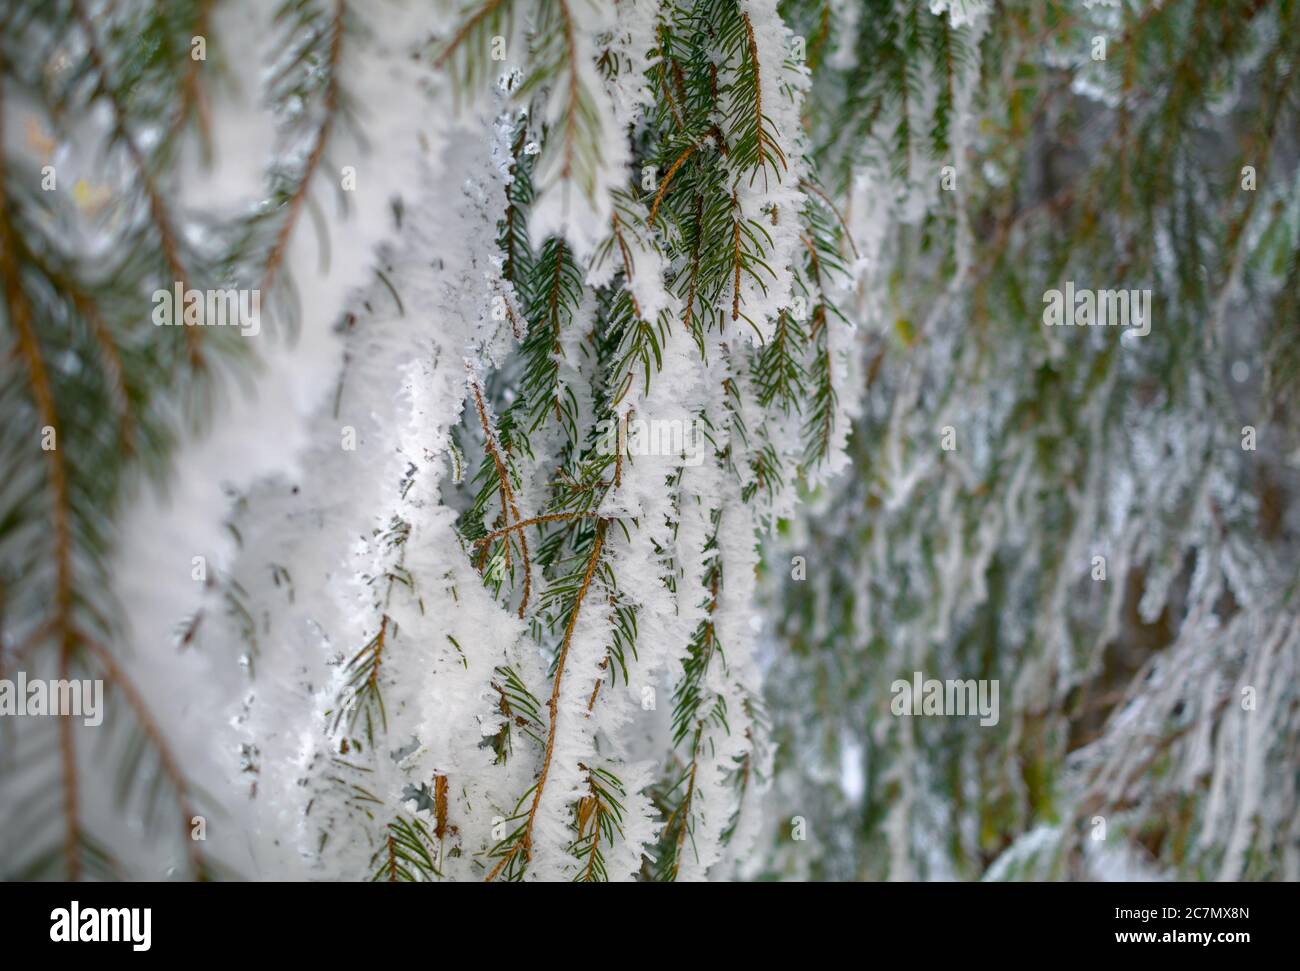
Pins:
<point x="440" y="806"/>
<point x="816" y="261"/>
<point x="392" y="860"/>
<point x="595" y="837"/>
<point x="627" y="264"/>
<point x="515" y="327"/>
<point x="483" y="12"/>
<point x="113" y="365"/>
<point x="157" y="207"/>
<point x="294" y="205"/>
<point x="192" y="91"/>
<point x="99" y="331"/>
<point x="604" y="666"/>
<point x="524" y="843"/>
<point x="507" y="493"/>
<point x="171" y="767"/>
<point x="830" y="205"/>
<point x="590" y="808"/>
<point x="553" y="298"/>
<point x="759" y="137"/>
<point x="735" y="242"/>
<point x="571" y="115"/>
<point x="551" y="517"/>
<point x="685" y="808"/>
<point x="380" y="641"/>
<point x="554" y="703"/>
<point x="19" y="312"/>
<point x="668" y="95"/>
<point x="508" y="268"/>
<point x="663" y="186"/>
<point x="664" y="71"/>
<point x="695" y="261"/>
<point x="68" y="759"/>
<point x="620" y="443"/>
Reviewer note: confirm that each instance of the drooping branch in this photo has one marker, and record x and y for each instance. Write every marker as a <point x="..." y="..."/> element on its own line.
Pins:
<point x="157" y="207"/>
<point x="170" y="764"/>
<point x="572" y="109"/>
<point x="19" y="312"/>
<point x="554" y="517"/>
<point x="808" y="186"/>
<point x="485" y="11"/>
<point x="627" y="263"/>
<point x="109" y="352"/>
<point x="663" y="186"/>
<point x="735" y="257"/>
<point x="507" y="492"/>
<point x="192" y="99"/>
<point x="331" y="108"/>
<point x="524" y="842"/>
<point x="682" y="814"/>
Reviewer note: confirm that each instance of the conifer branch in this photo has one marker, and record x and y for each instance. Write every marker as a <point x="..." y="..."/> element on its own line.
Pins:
<point x="760" y="135"/>
<point x="667" y="87"/>
<point x="62" y="623"/>
<point x="111" y="357"/>
<point x="330" y="107"/>
<point x="110" y="353"/>
<point x="735" y="257"/>
<point x="157" y="207"/>
<point x="485" y="11"/>
<point x="553" y="704"/>
<point x="599" y="813"/>
<point x="682" y="813"/>
<point x="571" y="114"/>
<point x="170" y="765"/>
<point x="29" y="352"/>
<point x="805" y="184"/>
<point x="507" y="493"/>
<point x="627" y="262"/>
<point x="68" y="755"/>
<point x="192" y="99"/>
<point x="694" y="270"/>
<point x="523" y="842"/>
<point x="512" y="243"/>
<point x="668" y="177"/>
<point x="533" y="521"/>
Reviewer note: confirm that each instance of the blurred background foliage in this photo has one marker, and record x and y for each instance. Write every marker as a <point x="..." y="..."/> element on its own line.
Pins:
<point x="1150" y="721"/>
<point x="1159" y="706"/>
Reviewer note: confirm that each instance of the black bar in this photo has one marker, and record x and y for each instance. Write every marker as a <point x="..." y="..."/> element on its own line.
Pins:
<point x="331" y="922"/>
